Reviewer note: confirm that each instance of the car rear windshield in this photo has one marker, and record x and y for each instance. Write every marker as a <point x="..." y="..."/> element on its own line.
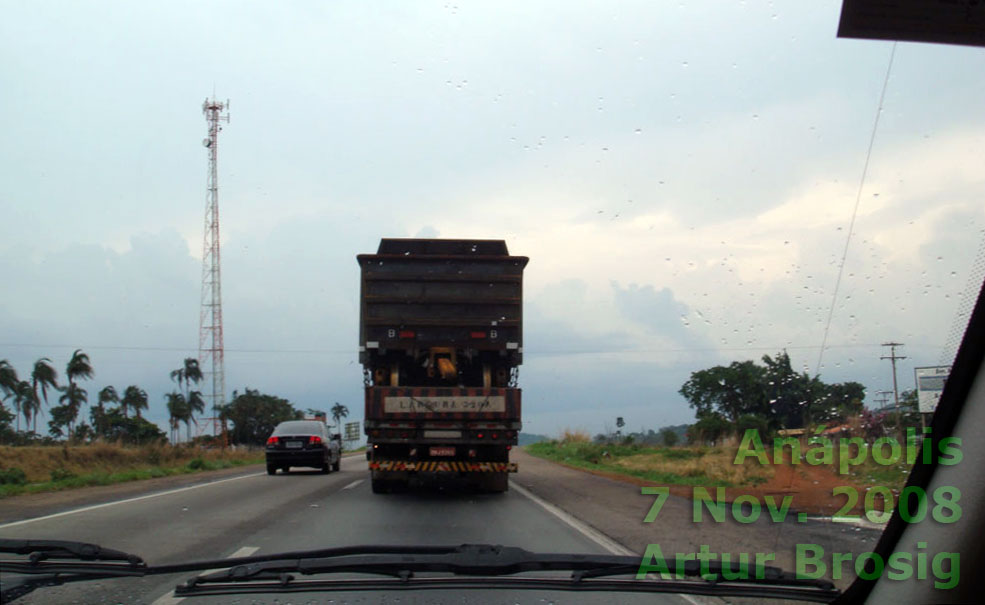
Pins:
<point x="298" y="427"/>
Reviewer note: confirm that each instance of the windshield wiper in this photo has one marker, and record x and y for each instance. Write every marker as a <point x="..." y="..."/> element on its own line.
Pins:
<point x="470" y="566"/>
<point x="54" y="562"/>
<point x="40" y="550"/>
<point x="486" y="566"/>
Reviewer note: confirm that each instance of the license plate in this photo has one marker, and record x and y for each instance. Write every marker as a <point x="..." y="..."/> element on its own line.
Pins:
<point x="442" y="451"/>
<point x="293" y="445"/>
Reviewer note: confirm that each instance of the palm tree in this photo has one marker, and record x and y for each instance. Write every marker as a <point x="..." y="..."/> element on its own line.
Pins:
<point x="196" y="403"/>
<point x="339" y="412"/>
<point x="43" y="375"/>
<point x="189" y="373"/>
<point x="73" y="396"/>
<point x="106" y="395"/>
<point x="135" y="398"/>
<point x="26" y="399"/>
<point x="177" y="411"/>
<point x="8" y="384"/>
<point x="78" y="367"/>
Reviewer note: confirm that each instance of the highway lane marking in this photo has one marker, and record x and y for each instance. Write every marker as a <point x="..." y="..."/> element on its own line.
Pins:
<point x="592" y="534"/>
<point x="353" y="484"/>
<point x="127" y="501"/>
<point x="169" y="598"/>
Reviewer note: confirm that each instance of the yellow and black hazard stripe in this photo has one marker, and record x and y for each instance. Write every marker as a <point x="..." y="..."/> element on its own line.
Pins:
<point x="443" y="466"/>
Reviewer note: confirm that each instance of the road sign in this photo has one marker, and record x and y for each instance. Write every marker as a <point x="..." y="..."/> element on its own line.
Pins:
<point x="930" y="385"/>
<point x="352" y="431"/>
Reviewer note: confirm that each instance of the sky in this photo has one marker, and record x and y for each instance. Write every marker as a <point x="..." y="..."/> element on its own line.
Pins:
<point x="682" y="176"/>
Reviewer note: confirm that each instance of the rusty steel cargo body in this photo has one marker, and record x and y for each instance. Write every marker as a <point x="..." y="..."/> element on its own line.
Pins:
<point x="440" y="342"/>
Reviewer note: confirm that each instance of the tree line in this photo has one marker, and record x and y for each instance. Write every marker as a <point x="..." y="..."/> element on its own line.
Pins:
<point x="116" y="416"/>
<point x="766" y="397"/>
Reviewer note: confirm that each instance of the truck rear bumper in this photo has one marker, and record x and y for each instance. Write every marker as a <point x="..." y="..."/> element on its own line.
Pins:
<point x="443" y="466"/>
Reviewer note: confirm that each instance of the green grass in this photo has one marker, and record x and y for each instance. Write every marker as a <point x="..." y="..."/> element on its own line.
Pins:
<point x="63" y="481"/>
<point x="610" y="458"/>
<point x="869" y="473"/>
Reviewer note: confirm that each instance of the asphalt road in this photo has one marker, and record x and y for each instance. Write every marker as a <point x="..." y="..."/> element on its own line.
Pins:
<point x="255" y="513"/>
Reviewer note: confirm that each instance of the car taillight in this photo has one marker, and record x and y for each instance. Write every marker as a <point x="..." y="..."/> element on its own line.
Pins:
<point x="406" y="334"/>
<point x="479" y="435"/>
<point x="314" y="439"/>
<point x="477" y="334"/>
<point x="272" y="441"/>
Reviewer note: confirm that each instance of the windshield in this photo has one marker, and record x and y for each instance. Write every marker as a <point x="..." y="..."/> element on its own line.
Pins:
<point x="711" y="266"/>
<point x="291" y="428"/>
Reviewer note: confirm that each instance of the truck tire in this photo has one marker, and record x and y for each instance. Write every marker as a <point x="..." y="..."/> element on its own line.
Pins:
<point x="271" y="469"/>
<point x="381" y="486"/>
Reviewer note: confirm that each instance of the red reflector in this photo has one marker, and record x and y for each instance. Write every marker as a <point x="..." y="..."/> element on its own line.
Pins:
<point x="495" y="435"/>
<point x="314" y="439"/>
<point x="406" y="334"/>
<point x="272" y="441"/>
<point x="479" y="435"/>
<point x="477" y="334"/>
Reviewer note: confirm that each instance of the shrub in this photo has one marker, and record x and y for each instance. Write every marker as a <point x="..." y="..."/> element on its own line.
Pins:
<point x="60" y="474"/>
<point x="12" y="476"/>
<point x="196" y="464"/>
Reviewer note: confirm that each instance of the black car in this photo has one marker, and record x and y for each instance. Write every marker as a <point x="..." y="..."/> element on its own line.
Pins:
<point x="303" y="443"/>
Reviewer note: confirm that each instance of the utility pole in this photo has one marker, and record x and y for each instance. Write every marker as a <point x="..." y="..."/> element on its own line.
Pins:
<point x="210" y="344"/>
<point x="892" y="357"/>
<point x="882" y="397"/>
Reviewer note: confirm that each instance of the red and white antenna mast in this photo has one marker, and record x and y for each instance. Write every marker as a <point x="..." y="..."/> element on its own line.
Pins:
<point x="210" y="348"/>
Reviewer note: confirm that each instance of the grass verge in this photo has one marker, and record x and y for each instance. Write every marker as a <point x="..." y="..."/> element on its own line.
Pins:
<point x="28" y="470"/>
<point x="698" y="466"/>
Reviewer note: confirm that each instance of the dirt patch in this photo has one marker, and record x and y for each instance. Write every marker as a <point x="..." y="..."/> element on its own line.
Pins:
<point x="809" y="486"/>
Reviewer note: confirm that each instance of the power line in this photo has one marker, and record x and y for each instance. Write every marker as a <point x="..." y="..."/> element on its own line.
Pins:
<point x="858" y="199"/>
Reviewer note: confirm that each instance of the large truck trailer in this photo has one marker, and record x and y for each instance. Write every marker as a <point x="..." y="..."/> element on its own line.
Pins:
<point x="440" y="342"/>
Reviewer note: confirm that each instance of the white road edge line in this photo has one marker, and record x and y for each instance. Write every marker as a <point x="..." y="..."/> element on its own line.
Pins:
<point x="128" y="500"/>
<point x="353" y="484"/>
<point x="169" y="598"/>
<point x="595" y="536"/>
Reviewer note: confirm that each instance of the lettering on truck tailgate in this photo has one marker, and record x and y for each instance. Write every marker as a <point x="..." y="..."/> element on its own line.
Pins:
<point x="453" y="404"/>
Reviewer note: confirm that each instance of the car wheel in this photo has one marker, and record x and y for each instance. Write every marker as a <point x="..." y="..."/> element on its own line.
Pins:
<point x="271" y="469"/>
<point x="326" y="468"/>
<point x="338" y="465"/>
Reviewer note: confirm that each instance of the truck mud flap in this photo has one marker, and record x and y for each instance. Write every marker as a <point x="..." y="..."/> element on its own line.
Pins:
<point x="444" y="466"/>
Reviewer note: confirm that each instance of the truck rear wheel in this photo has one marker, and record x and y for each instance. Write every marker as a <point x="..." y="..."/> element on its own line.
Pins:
<point x="381" y="486"/>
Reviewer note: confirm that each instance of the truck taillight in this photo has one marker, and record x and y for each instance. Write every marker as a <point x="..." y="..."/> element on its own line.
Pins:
<point x="272" y="441"/>
<point x="480" y="435"/>
<point x="406" y="334"/>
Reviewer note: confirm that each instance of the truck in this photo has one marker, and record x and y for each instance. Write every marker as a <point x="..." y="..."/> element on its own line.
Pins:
<point x="440" y="343"/>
